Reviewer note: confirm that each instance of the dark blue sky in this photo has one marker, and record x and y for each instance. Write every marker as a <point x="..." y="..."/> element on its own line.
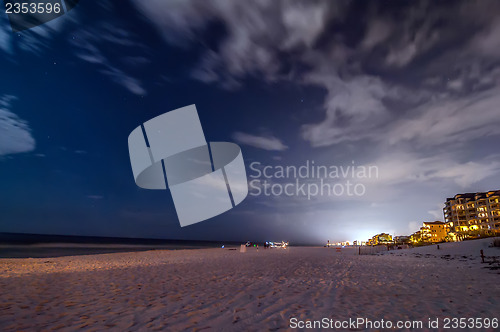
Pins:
<point x="410" y="88"/>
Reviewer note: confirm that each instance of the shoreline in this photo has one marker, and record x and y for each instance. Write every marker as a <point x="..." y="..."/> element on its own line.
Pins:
<point x="54" y="250"/>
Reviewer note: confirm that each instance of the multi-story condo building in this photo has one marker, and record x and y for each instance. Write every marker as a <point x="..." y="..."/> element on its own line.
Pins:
<point x="382" y="238"/>
<point x="416" y="237"/>
<point x="473" y="214"/>
<point x="401" y="239"/>
<point x="434" y="231"/>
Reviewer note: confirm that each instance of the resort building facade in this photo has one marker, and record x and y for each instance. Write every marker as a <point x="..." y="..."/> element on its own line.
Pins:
<point x="434" y="231"/>
<point x="473" y="214"/>
<point x="382" y="238"/>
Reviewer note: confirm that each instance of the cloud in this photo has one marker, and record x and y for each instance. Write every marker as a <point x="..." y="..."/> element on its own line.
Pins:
<point x="468" y="173"/>
<point x="404" y="167"/>
<point x="269" y="143"/>
<point x="414" y="34"/>
<point x="359" y="109"/>
<point x="15" y="133"/>
<point x="456" y="84"/>
<point x="377" y="31"/>
<point x="5" y="35"/>
<point x="103" y="44"/>
<point x="444" y="103"/>
<point x="422" y="28"/>
<point x="257" y="32"/>
<point x="488" y="41"/>
<point x="355" y="108"/>
<point x="450" y="120"/>
<point x="304" y="22"/>
<point x="130" y="83"/>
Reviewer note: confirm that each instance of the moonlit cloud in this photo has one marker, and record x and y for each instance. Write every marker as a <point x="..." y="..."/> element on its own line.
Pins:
<point x="378" y="31"/>
<point x="488" y="42"/>
<point x="15" y="133"/>
<point x="355" y="109"/>
<point x="90" y="47"/>
<point x="402" y="167"/>
<point x="5" y="35"/>
<point x="269" y="143"/>
<point x="257" y="32"/>
<point x="130" y="83"/>
<point x="451" y="120"/>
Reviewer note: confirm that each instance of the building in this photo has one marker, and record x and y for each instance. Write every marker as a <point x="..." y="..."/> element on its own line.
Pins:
<point x="402" y="239"/>
<point x="451" y="235"/>
<point x="473" y="214"/>
<point x="434" y="231"/>
<point x="416" y="237"/>
<point x="382" y="238"/>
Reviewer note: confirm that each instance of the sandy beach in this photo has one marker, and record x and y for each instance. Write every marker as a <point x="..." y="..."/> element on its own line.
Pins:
<point x="222" y="289"/>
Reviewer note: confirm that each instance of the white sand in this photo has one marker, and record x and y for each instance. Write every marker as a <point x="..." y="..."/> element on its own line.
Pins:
<point x="220" y="289"/>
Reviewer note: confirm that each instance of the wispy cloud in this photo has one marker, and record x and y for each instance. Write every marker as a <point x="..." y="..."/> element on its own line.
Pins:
<point x="90" y="47"/>
<point x="257" y="32"/>
<point x="356" y="109"/>
<point x="405" y="167"/>
<point x="132" y="84"/>
<point x="488" y="41"/>
<point x="15" y="133"/>
<point x="5" y="35"/>
<point x="269" y="143"/>
<point x="450" y="120"/>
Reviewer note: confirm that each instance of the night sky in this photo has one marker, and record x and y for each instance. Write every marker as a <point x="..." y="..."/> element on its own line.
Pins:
<point x="410" y="87"/>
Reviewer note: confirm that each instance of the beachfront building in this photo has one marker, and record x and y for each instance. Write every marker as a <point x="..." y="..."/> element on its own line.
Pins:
<point x="473" y="214"/>
<point x="416" y="237"/>
<point x="434" y="231"/>
<point x="431" y="232"/>
<point x="451" y="236"/>
<point x="382" y="238"/>
<point x="402" y="239"/>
